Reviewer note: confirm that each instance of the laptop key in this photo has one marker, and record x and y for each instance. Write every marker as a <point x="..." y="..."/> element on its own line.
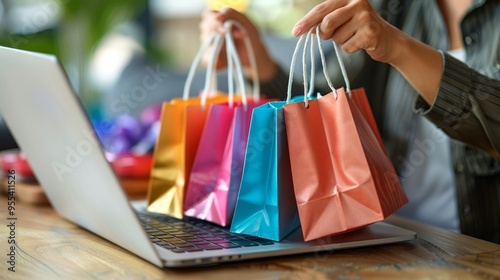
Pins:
<point x="162" y="236"/>
<point x="245" y="243"/>
<point x="214" y="238"/>
<point x="227" y="245"/>
<point x="183" y="235"/>
<point x="200" y="243"/>
<point x="193" y="249"/>
<point x="180" y="243"/>
<point x="177" y="250"/>
<point x="193" y="239"/>
<point x="169" y="246"/>
<point x="162" y="243"/>
<point x="209" y="247"/>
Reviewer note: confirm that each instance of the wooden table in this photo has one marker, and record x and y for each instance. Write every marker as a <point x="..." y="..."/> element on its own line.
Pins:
<point x="49" y="247"/>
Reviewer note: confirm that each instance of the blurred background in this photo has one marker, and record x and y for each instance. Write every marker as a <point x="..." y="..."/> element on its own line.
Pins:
<point x="124" y="57"/>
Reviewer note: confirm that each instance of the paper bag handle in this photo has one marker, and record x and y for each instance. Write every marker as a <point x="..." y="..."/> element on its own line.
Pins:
<point x="234" y="62"/>
<point x="307" y="88"/>
<point x="214" y="40"/>
<point x="323" y="62"/>
<point x="341" y="64"/>
<point x="234" y="65"/>
<point x="251" y="54"/>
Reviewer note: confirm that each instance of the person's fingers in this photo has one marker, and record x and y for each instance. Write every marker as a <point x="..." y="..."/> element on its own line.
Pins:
<point x="334" y="20"/>
<point x="348" y="20"/>
<point x="265" y="65"/>
<point x="211" y="22"/>
<point x="231" y="14"/>
<point x="343" y="33"/>
<point x="367" y="37"/>
<point x="228" y="13"/>
<point x="316" y="15"/>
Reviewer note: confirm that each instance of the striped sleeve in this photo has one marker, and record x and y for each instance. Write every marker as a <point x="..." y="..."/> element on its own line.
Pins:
<point x="467" y="106"/>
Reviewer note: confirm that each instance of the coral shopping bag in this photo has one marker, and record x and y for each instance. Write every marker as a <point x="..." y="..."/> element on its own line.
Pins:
<point x="266" y="204"/>
<point x="216" y="174"/>
<point x="342" y="176"/>
<point x="181" y="125"/>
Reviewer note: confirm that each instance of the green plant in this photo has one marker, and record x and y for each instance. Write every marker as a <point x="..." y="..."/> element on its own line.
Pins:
<point x="81" y="26"/>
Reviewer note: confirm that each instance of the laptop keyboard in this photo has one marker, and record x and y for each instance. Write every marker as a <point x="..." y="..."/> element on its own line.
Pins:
<point x="193" y="235"/>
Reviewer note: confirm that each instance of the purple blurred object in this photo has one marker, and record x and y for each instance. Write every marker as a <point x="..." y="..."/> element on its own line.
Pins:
<point x="127" y="133"/>
<point x="128" y="127"/>
<point x="118" y="145"/>
<point x="147" y="143"/>
<point x="150" y="115"/>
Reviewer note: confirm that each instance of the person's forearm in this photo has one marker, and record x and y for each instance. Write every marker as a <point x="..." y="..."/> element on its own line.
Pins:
<point x="420" y="64"/>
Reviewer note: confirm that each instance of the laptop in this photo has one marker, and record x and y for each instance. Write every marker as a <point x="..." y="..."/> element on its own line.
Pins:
<point x="51" y="128"/>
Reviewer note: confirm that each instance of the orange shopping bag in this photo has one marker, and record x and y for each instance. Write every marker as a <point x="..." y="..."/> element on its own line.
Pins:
<point x="343" y="178"/>
<point x="181" y="124"/>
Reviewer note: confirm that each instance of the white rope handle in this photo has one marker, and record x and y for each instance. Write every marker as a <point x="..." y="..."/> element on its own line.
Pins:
<point x="292" y="68"/>
<point x="304" y="70"/>
<point x="251" y="58"/>
<point x="313" y="67"/>
<point x="342" y="69"/>
<point x="308" y="88"/>
<point x="234" y="60"/>
<point x="216" y="41"/>
<point x="213" y="37"/>
<point x="323" y="62"/>
<point x="341" y="64"/>
<point x="210" y="76"/>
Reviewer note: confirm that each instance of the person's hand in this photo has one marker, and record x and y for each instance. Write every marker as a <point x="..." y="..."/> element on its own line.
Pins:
<point x="354" y="25"/>
<point x="213" y="21"/>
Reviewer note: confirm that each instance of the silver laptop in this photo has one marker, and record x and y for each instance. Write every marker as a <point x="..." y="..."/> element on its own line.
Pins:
<point x="52" y="129"/>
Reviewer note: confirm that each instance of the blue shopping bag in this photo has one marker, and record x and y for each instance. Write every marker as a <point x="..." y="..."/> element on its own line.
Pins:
<point x="266" y="205"/>
<point x="266" y="202"/>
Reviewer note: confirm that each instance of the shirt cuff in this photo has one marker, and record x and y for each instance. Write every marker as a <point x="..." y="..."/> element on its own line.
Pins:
<point x="451" y="101"/>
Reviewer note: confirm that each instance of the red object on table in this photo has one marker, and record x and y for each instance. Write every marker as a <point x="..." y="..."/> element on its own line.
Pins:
<point x="18" y="162"/>
<point x="132" y="166"/>
<point x="126" y="165"/>
<point x="132" y="171"/>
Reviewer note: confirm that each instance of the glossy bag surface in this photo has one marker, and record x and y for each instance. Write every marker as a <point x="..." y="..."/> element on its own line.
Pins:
<point x="266" y="204"/>
<point x="343" y="178"/>
<point x="217" y="169"/>
<point x="181" y="126"/>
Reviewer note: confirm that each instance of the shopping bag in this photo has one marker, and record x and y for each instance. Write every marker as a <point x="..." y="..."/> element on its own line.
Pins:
<point x="216" y="174"/>
<point x="266" y="204"/>
<point x="342" y="176"/>
<point x="181" y="124"/>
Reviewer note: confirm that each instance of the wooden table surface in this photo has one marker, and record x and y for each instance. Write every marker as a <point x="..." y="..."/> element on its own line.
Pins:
<point x="49" y="247"/>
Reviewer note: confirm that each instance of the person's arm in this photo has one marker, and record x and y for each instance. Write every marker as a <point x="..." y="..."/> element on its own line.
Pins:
<point x="213" y="21"/>
<point x="273" y="79"/>
<point x="466" y="107"/>
<point x="355" y="25"/>
<point x="454" y="96"/>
